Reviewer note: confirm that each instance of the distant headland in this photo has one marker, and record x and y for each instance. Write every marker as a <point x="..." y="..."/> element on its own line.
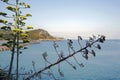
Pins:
<point x="34" y="35"/>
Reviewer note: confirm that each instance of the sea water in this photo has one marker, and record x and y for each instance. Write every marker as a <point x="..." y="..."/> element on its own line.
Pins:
<point x="105" y="66"/>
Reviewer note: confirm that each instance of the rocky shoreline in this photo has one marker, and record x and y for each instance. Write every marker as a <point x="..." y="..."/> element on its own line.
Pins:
<point x="5" y="48"/>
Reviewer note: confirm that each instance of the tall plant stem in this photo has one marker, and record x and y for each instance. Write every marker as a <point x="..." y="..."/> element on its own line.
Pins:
<point x="17" y="19"/>
<point x="17" y="64"/>
<point x="12" y="58"/>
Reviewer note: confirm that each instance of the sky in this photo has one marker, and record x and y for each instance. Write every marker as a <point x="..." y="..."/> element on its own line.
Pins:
<point x="70" y="18"/>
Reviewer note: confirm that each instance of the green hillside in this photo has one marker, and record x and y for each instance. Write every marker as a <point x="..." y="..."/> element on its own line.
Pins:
<point x="5" y="34"/>
<point x="37" y="34"/>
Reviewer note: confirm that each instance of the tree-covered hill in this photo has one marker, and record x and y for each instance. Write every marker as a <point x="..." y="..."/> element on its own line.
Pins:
<point x="37" y="34"/>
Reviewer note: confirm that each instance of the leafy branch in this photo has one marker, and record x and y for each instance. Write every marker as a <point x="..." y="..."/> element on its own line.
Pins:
<point x="17" y="31"/>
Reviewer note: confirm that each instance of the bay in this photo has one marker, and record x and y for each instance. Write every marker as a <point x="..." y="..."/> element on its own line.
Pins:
<point x="105" y="66"/>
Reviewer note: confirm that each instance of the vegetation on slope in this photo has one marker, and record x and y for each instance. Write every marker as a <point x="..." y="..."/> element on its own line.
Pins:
<point x="37" y="34"/>
<point x="4" y="34"/>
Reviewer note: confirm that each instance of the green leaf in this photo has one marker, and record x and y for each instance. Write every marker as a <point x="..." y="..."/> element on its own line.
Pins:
<point x="29" y="27"/>
<point x="6" y="44"/>
<point x="3" y="14"/>
<point x="21" y="23"/>
<point x="3" y="21"/>
<point x="28" y="15"/>
<point x="6" y="28"/>
<point x="25" y="5"/>
<point x="24" y="35"/>
<point x="1" y="35"/>
<point x="11" y="8"/>
<point x="26" y="41"/>
<point x="17" y="30"/>
<point x="10" y="42"/>
<point x="23" y="17"/>
<point x="20" y="47"/>
<point x="5" y="0"/>
<point x="10" y="24"/>
<point x="22" y="3"/>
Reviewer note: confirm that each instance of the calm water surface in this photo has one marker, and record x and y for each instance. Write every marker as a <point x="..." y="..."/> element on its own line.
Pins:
<point x="105" y="66"/>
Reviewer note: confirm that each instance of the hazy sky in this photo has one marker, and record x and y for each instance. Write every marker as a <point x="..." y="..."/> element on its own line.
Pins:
<point x="70" y="18"/>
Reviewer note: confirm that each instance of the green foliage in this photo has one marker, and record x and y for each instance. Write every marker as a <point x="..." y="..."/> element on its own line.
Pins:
<point x="1" y="35"/>
<point x="39" y="34"/>
<point x="6" y="28"/>
<point x="24" y="4"/>
<point x="6" y="34"/>
<point x="5" y="44"/>
<point x="31" y="35"/>
<point x="16" y="34"/>
<point x="11" y="8"/>
<point x="26" y="41"/>
<point x="29" y="27"/>
<point x="5" y="0"/>
<point x="28" y="15"/>
<point x="3" y="14"/>
<point x="3" y="21"/>
<point x="23" y="18"/>
<point x="24" y="35"/>
<point x="13" y="35"/>
<point x="21" y="23"/>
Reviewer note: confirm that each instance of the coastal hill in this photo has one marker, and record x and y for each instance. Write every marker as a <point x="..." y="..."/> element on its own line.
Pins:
<point x="40" y="34"/>
<point x="37" y="34"/>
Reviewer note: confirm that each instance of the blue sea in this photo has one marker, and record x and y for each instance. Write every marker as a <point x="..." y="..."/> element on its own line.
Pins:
<point x="105" y="66"/>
